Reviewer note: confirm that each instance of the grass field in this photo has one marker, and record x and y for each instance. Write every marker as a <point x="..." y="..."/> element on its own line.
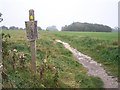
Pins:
<point x="103" y="47"/>
<point x="99" y="35"/>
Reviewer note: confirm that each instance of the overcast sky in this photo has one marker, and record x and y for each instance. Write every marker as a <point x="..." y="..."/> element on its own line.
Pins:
<point x="59" y="12"/>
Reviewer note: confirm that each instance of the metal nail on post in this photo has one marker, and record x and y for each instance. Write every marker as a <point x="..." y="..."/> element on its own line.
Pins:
<point x="32" y="35"/>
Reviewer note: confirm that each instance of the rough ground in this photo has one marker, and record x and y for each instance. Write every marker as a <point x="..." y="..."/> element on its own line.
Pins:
<point x="93" y="67"/>
<point x="1" y="75"/>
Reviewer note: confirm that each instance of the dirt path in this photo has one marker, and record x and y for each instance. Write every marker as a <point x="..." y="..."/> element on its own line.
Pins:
<point x="93" y="67"/>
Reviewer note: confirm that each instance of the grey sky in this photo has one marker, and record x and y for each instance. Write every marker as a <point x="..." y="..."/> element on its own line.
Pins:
<point x="60" y="12"/>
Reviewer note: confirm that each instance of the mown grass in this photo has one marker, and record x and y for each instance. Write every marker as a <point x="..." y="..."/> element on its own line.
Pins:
<point x="102" y="47"/>
<point x="71" y="74"/>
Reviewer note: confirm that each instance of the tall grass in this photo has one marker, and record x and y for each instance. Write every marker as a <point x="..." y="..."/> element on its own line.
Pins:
<point x="69" y="72"/>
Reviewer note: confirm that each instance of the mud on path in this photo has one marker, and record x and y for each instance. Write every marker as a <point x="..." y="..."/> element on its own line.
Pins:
<point x="94" y="68"/>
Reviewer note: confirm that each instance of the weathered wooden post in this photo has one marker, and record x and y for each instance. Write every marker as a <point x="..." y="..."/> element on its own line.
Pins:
<point x="31" y="30"/>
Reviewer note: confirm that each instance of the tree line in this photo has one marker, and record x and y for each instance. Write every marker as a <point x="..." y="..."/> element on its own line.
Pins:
<point x="15" y="28"/>
<point x="86" y="27"/>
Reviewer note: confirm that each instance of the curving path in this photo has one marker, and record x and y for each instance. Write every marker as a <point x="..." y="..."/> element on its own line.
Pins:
<point x="93" y="67"/>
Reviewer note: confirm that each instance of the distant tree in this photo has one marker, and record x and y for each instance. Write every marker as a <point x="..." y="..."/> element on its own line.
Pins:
<point x="86" y="27"/>
<point x="52" y="28"/>
<point x="13" y="28"/>
<point x="64" y="28"/>
<point x="115" y="29"/>
<point x="21" y="29"/>
<point x="39" y="28"/>
<point x="4" y="28"/>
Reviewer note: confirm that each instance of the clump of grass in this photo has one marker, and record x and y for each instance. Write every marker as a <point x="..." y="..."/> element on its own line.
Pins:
<point x="115" y="43"/>
<point x="20" y="47"/>
<point x="86" y="82"/>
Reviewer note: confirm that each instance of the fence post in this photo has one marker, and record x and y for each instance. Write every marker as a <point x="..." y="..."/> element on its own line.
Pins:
<point x="32" y="35"/>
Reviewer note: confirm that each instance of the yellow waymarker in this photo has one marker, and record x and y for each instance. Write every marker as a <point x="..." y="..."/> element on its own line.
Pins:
<point x="31" y="17"/>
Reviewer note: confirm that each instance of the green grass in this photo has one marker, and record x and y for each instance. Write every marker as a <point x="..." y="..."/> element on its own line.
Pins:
<point x="102" y="47"/>
<point x="99" y="35"/>
<point x="71" y="73"/>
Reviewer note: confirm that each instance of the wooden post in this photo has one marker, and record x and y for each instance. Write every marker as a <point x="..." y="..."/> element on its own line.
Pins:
<point x="31" y="30"/>
<point x="33" y="55"/>
<point x="31" y="15"/>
